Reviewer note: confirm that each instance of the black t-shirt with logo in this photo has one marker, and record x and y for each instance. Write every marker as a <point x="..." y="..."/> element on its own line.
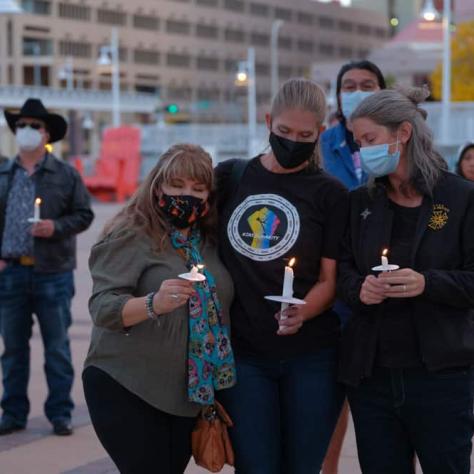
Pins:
<point x="269" y="219"/>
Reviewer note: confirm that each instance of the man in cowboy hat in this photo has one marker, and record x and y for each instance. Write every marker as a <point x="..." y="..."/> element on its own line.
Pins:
<point x="37" y="258"/>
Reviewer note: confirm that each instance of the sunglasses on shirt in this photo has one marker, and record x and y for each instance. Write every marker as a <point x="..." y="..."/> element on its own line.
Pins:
<point x="33" y="125"/>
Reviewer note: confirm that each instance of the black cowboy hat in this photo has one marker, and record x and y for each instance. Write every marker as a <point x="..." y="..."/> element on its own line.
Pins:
<point x="34" y="108"/>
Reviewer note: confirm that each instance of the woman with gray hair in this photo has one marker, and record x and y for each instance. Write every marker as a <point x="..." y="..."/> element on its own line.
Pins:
<point x="408" y="350"/>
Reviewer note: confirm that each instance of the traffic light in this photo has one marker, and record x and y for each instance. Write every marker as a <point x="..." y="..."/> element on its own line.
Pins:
<point x="172" y="109"/>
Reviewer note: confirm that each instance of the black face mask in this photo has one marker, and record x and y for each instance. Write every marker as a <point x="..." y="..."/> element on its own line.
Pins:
<point x="182" y="211"/>
<point x="290" y="154"/>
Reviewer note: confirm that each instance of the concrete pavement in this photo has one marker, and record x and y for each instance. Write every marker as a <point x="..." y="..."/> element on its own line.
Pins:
<point x="36" y="450"/>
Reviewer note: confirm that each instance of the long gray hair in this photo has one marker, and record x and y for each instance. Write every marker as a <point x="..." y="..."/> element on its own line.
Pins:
<point x="390" y="108"/>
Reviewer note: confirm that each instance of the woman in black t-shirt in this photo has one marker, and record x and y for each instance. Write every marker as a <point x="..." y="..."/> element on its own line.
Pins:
<point x="407" y="351"/>
<point x="286" y="402"/>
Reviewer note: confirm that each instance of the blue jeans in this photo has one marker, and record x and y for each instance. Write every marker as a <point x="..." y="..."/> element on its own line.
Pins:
<point x="400" y="412"/>
<point x="48" y="295"/>
<point x="284" y="413"/>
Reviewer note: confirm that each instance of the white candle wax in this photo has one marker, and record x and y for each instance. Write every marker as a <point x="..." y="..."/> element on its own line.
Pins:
<point x="194" y="271"/>
<point x="384" y="261"/>
<point x="36" y="215"/>
<point x="288" y="282"/>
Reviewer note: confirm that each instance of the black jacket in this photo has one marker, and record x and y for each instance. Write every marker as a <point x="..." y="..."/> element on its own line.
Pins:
<point x="443" y="252"/>
<point x="65" y="200"/>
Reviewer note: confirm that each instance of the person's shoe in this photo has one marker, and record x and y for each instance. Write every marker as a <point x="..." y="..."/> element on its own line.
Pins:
<point x="9" y="426"/>
<point x="62" y="428"/>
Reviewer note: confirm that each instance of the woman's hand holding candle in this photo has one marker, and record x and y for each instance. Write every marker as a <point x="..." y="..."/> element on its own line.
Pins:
<point x="404" y="283"/>
<point x="373" y="290"/>
<point x="291" y="321"/>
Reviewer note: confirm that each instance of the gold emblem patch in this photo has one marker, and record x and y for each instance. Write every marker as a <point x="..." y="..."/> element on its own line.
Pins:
<point x="439" y="217"/>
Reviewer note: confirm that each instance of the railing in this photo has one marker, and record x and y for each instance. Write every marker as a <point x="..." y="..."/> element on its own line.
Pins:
<point x="78" y="99"/>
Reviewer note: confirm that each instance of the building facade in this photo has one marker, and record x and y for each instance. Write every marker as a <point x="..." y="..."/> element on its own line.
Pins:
<point x="186" y="51"/>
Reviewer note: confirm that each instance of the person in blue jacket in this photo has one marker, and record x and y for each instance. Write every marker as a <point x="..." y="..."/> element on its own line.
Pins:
<point x="340" y="157"/>
<point x="355" y="81"/>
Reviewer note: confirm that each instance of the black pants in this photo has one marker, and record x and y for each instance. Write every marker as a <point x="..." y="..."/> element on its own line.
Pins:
<point x="139" y="438"/>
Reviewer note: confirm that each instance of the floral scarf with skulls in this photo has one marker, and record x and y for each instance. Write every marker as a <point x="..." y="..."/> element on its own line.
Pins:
<point x="211" y="363"/>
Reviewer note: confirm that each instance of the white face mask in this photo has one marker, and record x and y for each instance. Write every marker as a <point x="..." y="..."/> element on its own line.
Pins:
<point x="28" y="139"/>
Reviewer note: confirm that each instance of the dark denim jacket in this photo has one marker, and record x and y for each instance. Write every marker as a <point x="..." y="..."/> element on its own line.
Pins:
<point x="65" y="200"/>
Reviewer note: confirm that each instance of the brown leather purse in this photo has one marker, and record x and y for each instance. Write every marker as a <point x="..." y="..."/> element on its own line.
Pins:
<point x="211" y="444"/>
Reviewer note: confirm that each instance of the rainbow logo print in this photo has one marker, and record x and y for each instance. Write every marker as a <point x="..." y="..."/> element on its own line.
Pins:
<point x="263" y="224"/>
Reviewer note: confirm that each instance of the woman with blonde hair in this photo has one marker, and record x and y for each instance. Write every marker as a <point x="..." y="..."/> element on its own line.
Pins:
<point x="286" y="402"/>
<point x="160" y="345"/>
<point x="407" y="352"/>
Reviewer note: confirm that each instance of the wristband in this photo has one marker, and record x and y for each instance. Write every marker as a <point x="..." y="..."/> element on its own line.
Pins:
<point x="149" y="306"/>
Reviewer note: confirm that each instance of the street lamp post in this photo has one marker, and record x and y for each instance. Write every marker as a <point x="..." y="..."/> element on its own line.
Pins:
<point x="252" y="100"/>
<point x="246" y="76"/>
<point x="109" y="56"/>
<point x="430" y="13"/>
<point x="276" y="25"/>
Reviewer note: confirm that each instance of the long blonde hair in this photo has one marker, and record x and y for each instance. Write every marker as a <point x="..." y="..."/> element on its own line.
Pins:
<point x="142" y="213"/>
<point x="304" y="94"/>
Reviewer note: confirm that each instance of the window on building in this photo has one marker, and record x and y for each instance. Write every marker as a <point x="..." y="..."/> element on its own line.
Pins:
<point x="364" y="29"/>
<point x="146" y="56"/>
<point x="111" y="17"/>
<point x="260" y="39"/>
<point x="146" y="88"/>
<point x="326" y="22"/>
<point x="345" y="51"/>
<point x="74" y="12"/>
<point x="305" y="46"/>
<point x="259" y="9"/>
<point x="326" y="49"/>
<point x="207" y="3"/>
<point x="146" y="22"/>
<point x="285" y="42"/>
<point x="174" y="92"/>
<point x="208" y="94"/>
<point x="380" y="32"/>
<point x="37" y="47"/>
<point x="345" y="26"/>
<point x="285" y="71"/>
<point x="36" y="75"/>
<point x="205" y="63"/>
<point x="305" y="18"/>
<point x="262" y="69"/>
<point x="78" y="49"/>
<point x="231" y="65"/>
<point x="180" y="27"/>
<point x="38" y="7"/>
<point x="234" y="5"/>
<point x="207" y="31"/>
<point x="233" y="35"/>
<point x="283" y="14"/>
<point x="178" y="59"/>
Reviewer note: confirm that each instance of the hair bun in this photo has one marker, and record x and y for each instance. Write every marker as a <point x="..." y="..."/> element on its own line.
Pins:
<point x="416" y="95"/>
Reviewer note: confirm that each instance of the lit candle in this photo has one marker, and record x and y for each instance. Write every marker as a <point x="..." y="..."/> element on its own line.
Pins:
<point x="194" y="271"/>
<point x="36" y="215"/>
<point x="385" y="259"/>
<point x="288" y="279"/>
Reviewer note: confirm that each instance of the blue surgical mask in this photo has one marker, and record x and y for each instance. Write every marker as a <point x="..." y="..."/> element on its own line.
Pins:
<point x="377" y="161"/>
<point x="350" y="101"/>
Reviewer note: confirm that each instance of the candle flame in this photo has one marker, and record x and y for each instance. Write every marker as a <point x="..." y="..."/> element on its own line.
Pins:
<point x="200" y="267"/>
<point x="38" y="201"/>
<point x="292" y="262"/>
<point x="385" y="252"/>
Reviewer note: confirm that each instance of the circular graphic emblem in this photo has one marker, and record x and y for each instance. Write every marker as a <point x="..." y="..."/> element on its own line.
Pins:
<point x="439" y="217"/>
<point x="264" y="227"/>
